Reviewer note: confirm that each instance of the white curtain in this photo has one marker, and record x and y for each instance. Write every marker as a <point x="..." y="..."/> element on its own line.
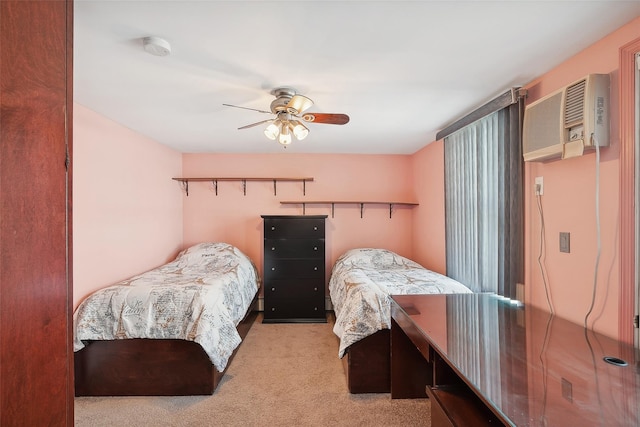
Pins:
<point x="483" y="203"/>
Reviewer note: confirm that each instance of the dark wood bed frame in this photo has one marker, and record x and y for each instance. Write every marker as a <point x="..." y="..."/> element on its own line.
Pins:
<point x="367" y="364"/>
<point x="150" y="367"/>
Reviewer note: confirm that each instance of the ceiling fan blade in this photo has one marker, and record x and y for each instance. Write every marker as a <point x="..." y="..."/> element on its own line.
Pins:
<point x="332" y="119"/>
<point x="299" y="103"/>
<point x="255" y="124"/>
<point x="246" y="108"/>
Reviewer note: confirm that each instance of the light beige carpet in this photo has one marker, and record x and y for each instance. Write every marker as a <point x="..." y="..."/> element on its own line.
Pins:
<point x="283" y="375"/>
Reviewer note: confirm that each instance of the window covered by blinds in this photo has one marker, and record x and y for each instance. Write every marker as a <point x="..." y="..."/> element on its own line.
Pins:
<point x="483" y="202"/>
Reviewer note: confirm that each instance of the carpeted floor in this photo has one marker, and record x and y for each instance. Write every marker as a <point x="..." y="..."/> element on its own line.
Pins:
<point x="283" y="375"/>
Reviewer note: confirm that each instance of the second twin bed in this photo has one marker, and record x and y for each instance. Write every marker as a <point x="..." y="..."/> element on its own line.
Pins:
<point x="361" y="285"/>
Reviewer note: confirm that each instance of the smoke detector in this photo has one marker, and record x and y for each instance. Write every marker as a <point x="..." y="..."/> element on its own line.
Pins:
<point x="156" y="46"/>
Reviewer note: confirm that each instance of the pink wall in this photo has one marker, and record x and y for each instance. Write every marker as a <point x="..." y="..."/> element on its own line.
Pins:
<point x="569" y="203"/>
<point x="232" y="217"/>
<point x="428" y="226"/>
<point x="126" y="218"/>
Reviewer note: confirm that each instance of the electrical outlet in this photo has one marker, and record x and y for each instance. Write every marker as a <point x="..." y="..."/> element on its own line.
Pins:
<point x="539" y="186"/>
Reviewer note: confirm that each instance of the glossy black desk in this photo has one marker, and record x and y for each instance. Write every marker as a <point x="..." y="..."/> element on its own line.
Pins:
<point x="486" y="361"/>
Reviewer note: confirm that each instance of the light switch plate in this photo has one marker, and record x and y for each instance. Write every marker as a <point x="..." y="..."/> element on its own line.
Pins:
<point x="567" y="390"/>
<point x="565" y="242"/>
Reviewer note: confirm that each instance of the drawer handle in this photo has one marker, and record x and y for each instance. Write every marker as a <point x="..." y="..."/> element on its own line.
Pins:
<point x="273" y="309"/>
<point x="315" y="228"/>
<point x="315" y="289"/>
<point x="273" y="249"/>
<point x="273" y="228"/>
<point x="315" y="308"/>
<point x="273" y="269"/>
<point x="273" y="289"/>
<point x="315" y="268"/>
<point x="315" y="248"/>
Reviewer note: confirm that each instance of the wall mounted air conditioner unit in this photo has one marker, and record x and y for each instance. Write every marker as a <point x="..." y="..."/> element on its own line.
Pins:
<point x="565" y="123"/>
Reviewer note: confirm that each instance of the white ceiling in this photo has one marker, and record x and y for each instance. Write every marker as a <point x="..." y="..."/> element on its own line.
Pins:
<point x="400" y="70"/>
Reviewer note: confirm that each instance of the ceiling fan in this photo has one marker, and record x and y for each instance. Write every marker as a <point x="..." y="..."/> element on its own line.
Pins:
<point x="289" y="109"/>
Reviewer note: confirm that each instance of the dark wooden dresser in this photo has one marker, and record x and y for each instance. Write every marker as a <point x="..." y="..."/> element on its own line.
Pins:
<point x="294" y="268"/>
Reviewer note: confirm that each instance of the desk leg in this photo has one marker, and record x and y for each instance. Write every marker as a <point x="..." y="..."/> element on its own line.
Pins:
<point x="410" y="371"/>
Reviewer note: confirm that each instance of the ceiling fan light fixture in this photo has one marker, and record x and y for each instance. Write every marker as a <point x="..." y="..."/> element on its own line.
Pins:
<point x="272" y="131"/>
<point x="285" y="135"/>
<point x="300" y="131"/>
<point x="287" y="107"/>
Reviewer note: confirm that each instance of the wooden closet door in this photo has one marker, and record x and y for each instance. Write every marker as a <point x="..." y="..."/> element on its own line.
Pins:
<point x="36" y="376"/>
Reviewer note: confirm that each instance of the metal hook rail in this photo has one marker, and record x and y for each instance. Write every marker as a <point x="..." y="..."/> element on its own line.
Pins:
<point x="333" y="204"/>
<point x="214" y="181"/>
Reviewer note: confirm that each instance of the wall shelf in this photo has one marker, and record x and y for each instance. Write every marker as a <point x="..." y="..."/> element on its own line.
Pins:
<point x="215" y="180"/>
<point x="333" y="204"/>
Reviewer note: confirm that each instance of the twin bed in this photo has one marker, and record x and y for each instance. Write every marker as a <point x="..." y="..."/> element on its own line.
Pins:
<point x="360" y="287"/>
<point x="174" y="330"/>
<point x="169" y="331"/>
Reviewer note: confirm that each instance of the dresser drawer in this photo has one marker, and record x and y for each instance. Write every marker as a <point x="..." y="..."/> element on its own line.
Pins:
<point x="294" y="288"/>
<point x="294" y="248"/>
<point x="293" y="228"/>
<point x="298" y="309"/>
<point x="293" y="268"/>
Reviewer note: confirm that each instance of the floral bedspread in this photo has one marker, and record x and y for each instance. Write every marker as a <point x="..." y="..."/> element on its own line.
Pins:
<point x="201" y="296"/>
<point x="361" y="285"/>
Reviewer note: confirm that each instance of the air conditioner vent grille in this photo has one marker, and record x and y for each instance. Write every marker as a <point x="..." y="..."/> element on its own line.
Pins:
<point x="567" y="122"/>
<point x="574" y="111"/>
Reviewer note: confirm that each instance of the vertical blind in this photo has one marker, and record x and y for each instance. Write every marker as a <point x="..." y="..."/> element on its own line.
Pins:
<point x="483" y="202"/>
<point x="474" y="337"/>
